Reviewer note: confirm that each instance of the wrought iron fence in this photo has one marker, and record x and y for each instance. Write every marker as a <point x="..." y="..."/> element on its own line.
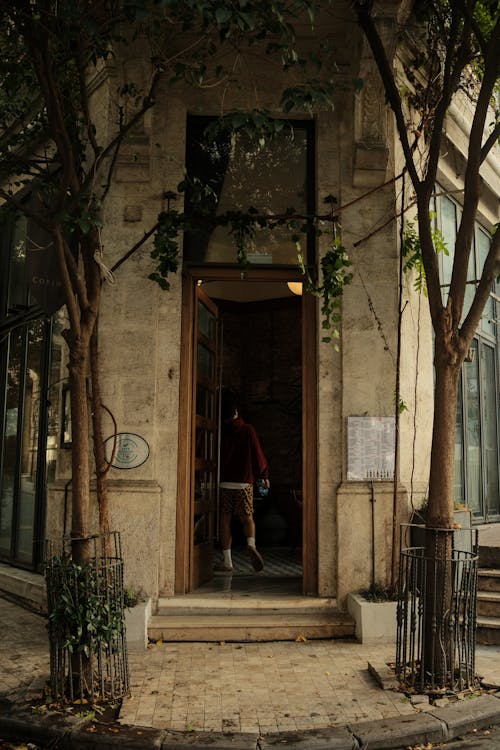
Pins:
<point x="436" y="610"/>
<point x="88" y="651"/>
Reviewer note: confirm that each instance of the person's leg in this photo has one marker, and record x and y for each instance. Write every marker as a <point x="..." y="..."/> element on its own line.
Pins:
<point x="245" y="513"/>
<point x="226" y="538"/>
<point x="248" y="527"/>
<point x="226" y="514"/>
<point x="249" y="530"/>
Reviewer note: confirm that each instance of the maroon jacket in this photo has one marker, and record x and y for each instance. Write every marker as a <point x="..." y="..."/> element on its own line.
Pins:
<point x="242" y="459"/>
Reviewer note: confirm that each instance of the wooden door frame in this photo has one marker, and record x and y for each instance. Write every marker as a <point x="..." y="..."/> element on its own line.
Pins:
<point x="309" y="422"/>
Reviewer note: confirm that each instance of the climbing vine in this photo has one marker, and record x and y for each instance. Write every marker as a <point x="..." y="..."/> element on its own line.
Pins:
<point x="243" y="227"/>
<point x="202" y="218"/>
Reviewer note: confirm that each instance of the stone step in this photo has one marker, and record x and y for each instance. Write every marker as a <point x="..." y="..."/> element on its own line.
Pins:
<point x="488" y="579"/>
<point x="245" y="627"/>
<point x="249" y="606"/>
<point x="488" y="631"/>
<point x="488" y="603"/>
<point x="25" y="587"/>
<point x="489" y="556"/>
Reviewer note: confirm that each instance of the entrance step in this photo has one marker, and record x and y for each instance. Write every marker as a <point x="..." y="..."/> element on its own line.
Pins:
<point x="248" y="619"/>
<point x="245" y="605"/>
<point x="488" y="631"/>
<point x="488" y="579"/>
<point x="489" y="556"/>
<point x="488" y="604"/>
<point x="25" y="587"/>
<point x="262" y="627"/>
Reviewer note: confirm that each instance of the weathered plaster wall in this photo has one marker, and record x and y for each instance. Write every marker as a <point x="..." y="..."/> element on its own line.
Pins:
<point x="369" y="321"/>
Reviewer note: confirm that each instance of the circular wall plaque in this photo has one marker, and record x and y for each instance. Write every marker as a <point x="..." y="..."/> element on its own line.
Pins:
<point x="131" y="450"/>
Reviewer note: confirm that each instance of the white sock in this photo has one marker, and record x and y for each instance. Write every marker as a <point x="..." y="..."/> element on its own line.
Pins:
<point x="227" y="558"/>
<point x="251" y="541"/>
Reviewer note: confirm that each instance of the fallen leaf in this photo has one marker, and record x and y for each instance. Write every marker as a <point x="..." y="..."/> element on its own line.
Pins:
<point x="301" y="639"/>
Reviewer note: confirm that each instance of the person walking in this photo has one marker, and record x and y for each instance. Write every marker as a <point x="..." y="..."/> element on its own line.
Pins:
<point x="242" y="462"/>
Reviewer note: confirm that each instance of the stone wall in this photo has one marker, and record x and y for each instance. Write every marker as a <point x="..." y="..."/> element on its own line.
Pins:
<point x="140" y="332"/>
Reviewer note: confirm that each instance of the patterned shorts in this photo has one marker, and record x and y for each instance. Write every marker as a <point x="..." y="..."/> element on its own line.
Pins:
<point x="237" y="502"/>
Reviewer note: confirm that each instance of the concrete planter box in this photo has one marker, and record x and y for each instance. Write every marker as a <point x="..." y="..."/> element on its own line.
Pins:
<point x="375" y="621"/>
<point x="136" y="625"/>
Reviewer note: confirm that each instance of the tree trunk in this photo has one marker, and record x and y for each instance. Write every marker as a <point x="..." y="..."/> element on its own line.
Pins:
<point x="78" y="358"/>
<point x="101" y="466"/>
<point x="438" y="646"/>
<point x="442" y="471"/>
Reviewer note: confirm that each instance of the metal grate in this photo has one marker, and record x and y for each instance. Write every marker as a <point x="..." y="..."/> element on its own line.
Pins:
<point x="436" y="611"/>
<point x="88" y="652"/>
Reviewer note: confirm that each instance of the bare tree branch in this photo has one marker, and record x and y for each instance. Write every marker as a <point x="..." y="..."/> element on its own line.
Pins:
<point x="68" y="288"/>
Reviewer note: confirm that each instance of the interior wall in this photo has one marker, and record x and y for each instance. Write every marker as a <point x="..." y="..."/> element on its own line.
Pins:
<point x="262" y="363"/>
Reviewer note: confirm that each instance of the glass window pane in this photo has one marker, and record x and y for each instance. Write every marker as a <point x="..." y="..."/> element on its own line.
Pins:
<point x="206" y="362"/>
<point x="490" y="438"/>
<point x="206" y="321"/>
<point x="473" y="434"/>
<point x="470" y="289"/>
<point x="57" y="378"/>
<point x="204" y="402"/>
<point x="18" y="289"/>
<point x="449" y="232"/>
<point x="10" y="446"/>
<point x="459" y="447"/>
<point x="204" y="488"/>
<point x="488" y="317"/>
<point x="29" y="440"/>
<point x="244" y="174"/>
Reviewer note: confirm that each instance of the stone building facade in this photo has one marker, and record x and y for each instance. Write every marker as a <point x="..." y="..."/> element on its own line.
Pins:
<point x="328" y="526"/>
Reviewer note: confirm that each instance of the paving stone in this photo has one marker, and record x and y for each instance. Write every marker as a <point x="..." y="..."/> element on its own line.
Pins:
<point x="441" y="702"/>
<point x="312" y="689"/>
<point x="419" y="700"/>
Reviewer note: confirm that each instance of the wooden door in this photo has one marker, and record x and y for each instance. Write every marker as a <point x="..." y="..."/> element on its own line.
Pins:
<point x="204" y="445"/>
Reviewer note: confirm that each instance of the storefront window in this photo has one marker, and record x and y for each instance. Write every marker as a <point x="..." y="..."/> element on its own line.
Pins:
<point x="24" y="373"/>
<point x="477" y="422"/>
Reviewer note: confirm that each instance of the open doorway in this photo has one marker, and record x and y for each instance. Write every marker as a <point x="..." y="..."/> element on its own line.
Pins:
<point x="260" y="360"/>
<point x="261" y="354"/>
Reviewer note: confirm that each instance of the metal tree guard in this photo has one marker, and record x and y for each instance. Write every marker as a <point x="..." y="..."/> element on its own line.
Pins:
<point x="436" y="609"/>
<point x="88" y="650"/>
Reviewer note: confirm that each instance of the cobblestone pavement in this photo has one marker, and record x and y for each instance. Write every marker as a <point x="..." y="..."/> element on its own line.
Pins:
<point x="252" y="687"/>
<point x="229" y="687"/>
<point x="24" y="648"/>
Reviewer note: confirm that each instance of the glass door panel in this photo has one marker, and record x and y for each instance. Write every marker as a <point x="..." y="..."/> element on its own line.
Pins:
<point x="490" y="439"/>
<point x="473" y="434"/>
<point x="10" y="452"/>
<point x="205" y="440"/>
<point x="33" y="383"/>
<point x="459" y="447"/>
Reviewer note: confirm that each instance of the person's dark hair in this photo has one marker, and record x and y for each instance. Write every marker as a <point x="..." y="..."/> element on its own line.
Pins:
<point x="229" y="404"/>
